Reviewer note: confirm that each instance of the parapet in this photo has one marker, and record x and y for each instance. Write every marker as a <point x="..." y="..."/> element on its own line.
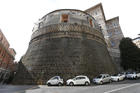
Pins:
<point x="70" y="16"/>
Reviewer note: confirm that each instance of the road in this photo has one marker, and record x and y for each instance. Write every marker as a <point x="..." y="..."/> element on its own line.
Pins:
<point x="126" y="86"/>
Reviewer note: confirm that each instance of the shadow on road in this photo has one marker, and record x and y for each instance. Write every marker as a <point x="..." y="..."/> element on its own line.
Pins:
<point x="17" y="88"/>
<point x="126" y="81"/>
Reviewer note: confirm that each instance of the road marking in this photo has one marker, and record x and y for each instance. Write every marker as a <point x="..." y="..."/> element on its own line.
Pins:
<point x="44" y="86"/>
<point x="121" y="88"/>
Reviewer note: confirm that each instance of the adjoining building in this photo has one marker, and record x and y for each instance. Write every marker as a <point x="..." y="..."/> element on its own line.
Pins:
<point x="65" y="42"/>
<point x="137" y="41"/>
<point x="114" y="32"/>
<point x="7" y="57"/>
<point x="115" y="36"/>
<point x="98" y="13"/>
<point x="111" y="30"/>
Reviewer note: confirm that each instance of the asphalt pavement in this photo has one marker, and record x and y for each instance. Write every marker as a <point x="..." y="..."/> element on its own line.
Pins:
<point x="126" y="86"/>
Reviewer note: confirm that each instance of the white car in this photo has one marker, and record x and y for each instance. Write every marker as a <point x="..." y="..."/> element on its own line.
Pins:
<point x="102" y="78"/>
<point x="124" y="73"/>
<point x="56" y="80"/>
<point x="78" y="80"/>
<point x="133" y="75"/>
<point x="117" y="77"/>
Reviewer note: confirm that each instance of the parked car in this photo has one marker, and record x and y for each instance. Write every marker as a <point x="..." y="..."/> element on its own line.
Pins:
<point x="78" y="80"/>
<point x="102" y="78"/>
<point x="117" y="77"/>
<point x="56" y="80"/>
<point x="133" y="75"/>
<point x="124" y="73"/>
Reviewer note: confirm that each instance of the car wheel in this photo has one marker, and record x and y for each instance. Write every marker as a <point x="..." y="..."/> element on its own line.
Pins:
<point x="59" y="84"/>
<point x="49" y="84"/>
<point x="110" y="81"/>
<point x="101" y="82"/>
<point x="86" y="83"/>
<point x="71" y="83"/>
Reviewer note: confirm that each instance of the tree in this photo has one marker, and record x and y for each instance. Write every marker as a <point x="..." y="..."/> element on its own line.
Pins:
<point x="129" y="54"/>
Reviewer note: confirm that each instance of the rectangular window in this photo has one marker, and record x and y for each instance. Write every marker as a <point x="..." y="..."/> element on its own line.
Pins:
<point x="64" y="18"/>
<point x="90" y="21"/>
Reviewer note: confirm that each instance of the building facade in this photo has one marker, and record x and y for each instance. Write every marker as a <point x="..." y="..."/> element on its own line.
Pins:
<point x="137" y="41"/>
<point x="115" y="36"/>
<point x="67" y="43"/>
<point x="111" y="30"/>
<point x="7" y="57"/>
<point x="114" y="32"/>
<point x="98" y="13"/>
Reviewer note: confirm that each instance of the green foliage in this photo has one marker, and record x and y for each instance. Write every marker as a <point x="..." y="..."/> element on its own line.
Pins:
<point x="129" y="54"/>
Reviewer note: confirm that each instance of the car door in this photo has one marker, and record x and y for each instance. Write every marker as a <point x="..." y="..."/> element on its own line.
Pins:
<point x="120" y="77"/>
<point x="78" y="81"/>
<point x="107" y="78"/>
<point x="54" y="81"/>
<point x="138" y="74"/>
<point x="104" y="79"/>
<point x="82" y="80"/>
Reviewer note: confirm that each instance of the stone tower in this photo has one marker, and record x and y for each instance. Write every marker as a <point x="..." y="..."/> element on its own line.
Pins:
<point x="67" y="43"/>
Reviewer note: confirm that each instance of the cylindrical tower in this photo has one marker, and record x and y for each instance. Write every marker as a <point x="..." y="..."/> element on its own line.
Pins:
<point x="67" y="43"/>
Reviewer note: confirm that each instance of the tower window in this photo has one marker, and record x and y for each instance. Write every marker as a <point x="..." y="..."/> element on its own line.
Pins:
<point x="64" y="18"/>
<point x="90" y="21"/>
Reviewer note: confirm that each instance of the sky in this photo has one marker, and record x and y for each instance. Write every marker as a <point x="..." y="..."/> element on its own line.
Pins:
<point x="17" y="17"/>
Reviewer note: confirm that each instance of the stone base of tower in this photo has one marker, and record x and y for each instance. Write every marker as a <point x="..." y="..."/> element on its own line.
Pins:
<point x="66" y="57"/>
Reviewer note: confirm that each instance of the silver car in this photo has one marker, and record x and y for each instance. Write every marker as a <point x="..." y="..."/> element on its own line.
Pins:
<point x="56" y="80"/>
<point x="133" y="75"/>
<point x="102" y="78"/>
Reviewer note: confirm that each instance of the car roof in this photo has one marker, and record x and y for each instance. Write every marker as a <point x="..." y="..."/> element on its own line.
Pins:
<point x="104" y="74"/>
<point x="81" y="76"/>
<point x="55" y="76"/>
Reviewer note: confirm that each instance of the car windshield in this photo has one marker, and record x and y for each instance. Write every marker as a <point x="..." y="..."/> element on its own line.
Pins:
<point x="74" y="78"/>
<point x="131" y="73"/>
<point x="100" y="76"/>
<point x="122" y="73"/>
<point x="115" y="75"/>
<point x="54" y="78"/>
